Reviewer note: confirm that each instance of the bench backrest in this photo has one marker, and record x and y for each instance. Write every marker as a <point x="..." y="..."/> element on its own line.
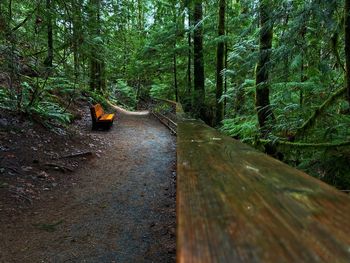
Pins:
<point x="96" y="111"/>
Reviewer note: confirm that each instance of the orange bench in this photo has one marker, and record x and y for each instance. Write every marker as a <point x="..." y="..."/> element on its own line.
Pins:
<point x="99" y="118"/>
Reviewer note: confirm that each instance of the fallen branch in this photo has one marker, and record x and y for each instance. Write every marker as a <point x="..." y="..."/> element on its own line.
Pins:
<point x="61" y="168"/>
<point x="14" y="170"/>
<point x="21" y="195"/>
<point x="311" y="121"/>
<point x="79" y="154"/>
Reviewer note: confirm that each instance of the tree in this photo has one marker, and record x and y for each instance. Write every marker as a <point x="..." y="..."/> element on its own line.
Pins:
<point x="97" y="64"/>
<point x="189" y="57"/>
<point x="77" y="35"/>
<point x="198" y="60"/>
<point x="262" y="98"/>
<point x="347" y="47"/>
<point x="176" y="88"/>
<point x="220" y="56"/>
<point x="49" y="58"/>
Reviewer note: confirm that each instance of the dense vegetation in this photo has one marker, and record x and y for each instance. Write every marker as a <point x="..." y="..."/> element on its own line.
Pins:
<point x="271" y="73"/>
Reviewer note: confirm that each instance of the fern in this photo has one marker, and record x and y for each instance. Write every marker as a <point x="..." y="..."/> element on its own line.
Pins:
<point x="243" y="127"/>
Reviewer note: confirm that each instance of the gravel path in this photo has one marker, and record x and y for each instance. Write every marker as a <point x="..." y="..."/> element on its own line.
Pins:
<point x="121" y="208"/>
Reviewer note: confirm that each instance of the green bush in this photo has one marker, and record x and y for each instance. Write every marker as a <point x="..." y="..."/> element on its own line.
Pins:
<point x="37" y="98"/>
<point x="243" y="127"/>
<point x="161" y="91"/>
<point x="123" y="94"/>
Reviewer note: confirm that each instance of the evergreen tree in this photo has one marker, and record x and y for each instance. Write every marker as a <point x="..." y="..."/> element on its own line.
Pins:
<point x="198" y="60"/>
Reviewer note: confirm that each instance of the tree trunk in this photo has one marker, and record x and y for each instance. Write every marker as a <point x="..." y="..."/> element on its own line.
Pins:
<point x="347" y="47"/>
<point x="77" y="36"/>
<point x="262" y="101"/>
<point x="140" y="21"/>
<point x="97" y="65"/>
<point x="49" y="58"/>
<point x="225" y="79"/>
<point x="303" y="76"/>
<point x="189" y="60"/>
<point x="10" y="10"/>
<point x="174" y="56"/>
<point x="220" y="55"/>
<point x="199" y="91"/>
<point x="176" y="89"/>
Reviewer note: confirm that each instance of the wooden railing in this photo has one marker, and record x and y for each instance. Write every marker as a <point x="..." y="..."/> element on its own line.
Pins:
<point x="235" y="204"/>
<point x="165" y="112"/>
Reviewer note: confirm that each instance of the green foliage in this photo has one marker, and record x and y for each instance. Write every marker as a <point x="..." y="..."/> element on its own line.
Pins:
<point x="37" y="98"/>
<point x="243" y="127"/>
<point x="163" y="108"/>
<point x="94" y="97"/>
<point x="7" y="100"/>
<point x="330" y="166"/>
<point x="123" y="93"/>
<point x="161" y="91"/>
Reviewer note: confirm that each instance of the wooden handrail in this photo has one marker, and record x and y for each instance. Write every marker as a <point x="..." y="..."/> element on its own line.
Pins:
<point x="167" y="121"/>
<point x="235" y="204"/>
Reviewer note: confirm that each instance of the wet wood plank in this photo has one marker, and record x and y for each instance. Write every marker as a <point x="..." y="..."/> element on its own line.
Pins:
<point x="235" y="204"/>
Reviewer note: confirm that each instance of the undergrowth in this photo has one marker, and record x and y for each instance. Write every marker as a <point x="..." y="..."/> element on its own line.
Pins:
<point x="40" y="99"/>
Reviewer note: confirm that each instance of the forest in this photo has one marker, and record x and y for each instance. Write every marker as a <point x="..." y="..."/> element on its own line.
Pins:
<point x="274" y="74"/>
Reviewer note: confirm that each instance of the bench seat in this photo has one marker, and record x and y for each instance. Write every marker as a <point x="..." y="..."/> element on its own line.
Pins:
<point x="100" y="119"/>
<point x="107" y="118"/>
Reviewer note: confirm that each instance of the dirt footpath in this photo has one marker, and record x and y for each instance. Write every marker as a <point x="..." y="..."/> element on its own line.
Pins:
<point x="120" y="208"/>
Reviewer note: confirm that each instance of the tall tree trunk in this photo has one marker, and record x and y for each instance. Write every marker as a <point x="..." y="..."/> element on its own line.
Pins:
<point x="10" y="10"/>
<point x="174" y="56"/>
<point x="220" y="55"/>
<point x="77" y="36"/>
<point x="176" y="89"/>
<point x="347" y="47"/>
<point x="97" y="65"/>
<point x="49" y="58"/>
<point x="140" y="14"/>
<point x="225" y="79"/>
<point x="303" y="76"/>
<point x="199" y="90"/>
<point x="4" y="21"/>
<point x="262" y="100"/>
<point x="189" y="60"/>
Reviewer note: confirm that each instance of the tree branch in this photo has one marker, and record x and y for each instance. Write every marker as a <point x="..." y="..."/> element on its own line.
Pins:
<point x="22" y="23"/>
<point x="311" y="121"/>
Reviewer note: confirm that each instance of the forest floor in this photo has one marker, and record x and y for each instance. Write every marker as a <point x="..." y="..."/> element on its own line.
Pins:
<point x="83" y="196"/>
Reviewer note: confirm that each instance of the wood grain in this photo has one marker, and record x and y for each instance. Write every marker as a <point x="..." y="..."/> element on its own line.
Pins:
<point x="235" y="204"/>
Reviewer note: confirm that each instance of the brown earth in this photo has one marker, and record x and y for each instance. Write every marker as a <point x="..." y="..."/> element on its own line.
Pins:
<point x="114" y="203"/>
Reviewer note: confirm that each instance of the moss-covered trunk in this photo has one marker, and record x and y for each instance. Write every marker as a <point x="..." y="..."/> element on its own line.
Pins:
<point x="199" y="91"/>
<point x="97" y="65"/>
<point x="262" y="100"/>
<point x="49" y="26"/>
<point x="220" y="55"/>
<point x="347" y="47"/>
